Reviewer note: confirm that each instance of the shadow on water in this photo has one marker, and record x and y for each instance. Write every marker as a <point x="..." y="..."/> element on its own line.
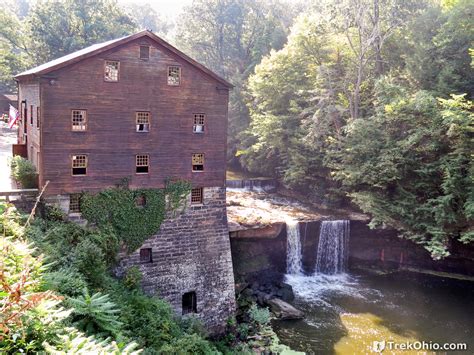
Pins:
<point x="346" y="313"/>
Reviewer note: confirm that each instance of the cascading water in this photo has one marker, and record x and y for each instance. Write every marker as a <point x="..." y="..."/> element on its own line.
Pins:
<point x="332" y="247"/>
<point x="293" y="248"/>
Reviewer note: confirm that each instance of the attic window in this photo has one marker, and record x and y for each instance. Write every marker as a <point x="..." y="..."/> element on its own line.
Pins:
<point x="142" y="164"/>
<point x="144" y="52"/>
<point x="198" y="126"/>
<point x="142" y="121"/>
<point x="111" y="70"/>
<point x="198" y="162"/>
<point x="79" y="120"/>
<point x="174" y="75"/>
<point x="79" y="164"/>
<point x="189" y="304"/>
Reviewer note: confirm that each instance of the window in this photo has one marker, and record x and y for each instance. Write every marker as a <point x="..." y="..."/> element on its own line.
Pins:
<point x="144" y="52"/>
<point x="25" y="116"/>
<point x="199" y="123"/>
<point x="79" y="164"/>
<point x="142" y="164"/>
<point x="31" y="115"/>
<point x="198" y="162"/>
<point x="140" y="201"/>
<point x="196" y="196"/>
<point x="146" y="255"/>
<point x="142" y="121"/>
<point x="79" y="120"/>
<point x="111" y="70"/>
<point x="37" y="117"/>
<point x="74" y="203"/>
<point x="189" y="303"/>
<point x="174" y="75"/>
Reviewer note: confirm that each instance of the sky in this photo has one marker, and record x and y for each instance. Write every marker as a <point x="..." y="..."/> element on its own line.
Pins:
<point x="167" y="8"/>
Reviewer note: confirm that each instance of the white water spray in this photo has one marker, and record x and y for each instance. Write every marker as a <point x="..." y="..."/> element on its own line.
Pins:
<point x="294" y="255"/>
<point x="333" y="247"/>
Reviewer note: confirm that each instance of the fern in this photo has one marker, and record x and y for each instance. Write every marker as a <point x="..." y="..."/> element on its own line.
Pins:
<point x="95" y="313"/>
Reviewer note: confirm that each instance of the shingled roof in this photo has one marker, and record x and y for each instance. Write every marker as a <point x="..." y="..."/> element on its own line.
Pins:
<point x="102" y="47"/>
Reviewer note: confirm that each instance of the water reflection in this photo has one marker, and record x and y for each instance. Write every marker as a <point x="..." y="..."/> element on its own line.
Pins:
<point x="346" y="312"/>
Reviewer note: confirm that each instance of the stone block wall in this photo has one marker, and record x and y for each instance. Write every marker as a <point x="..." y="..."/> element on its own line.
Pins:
<point x="191" y="253"/>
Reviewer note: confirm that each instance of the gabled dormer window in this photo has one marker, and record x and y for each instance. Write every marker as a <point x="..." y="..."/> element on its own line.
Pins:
<point x="111" y="70"/>
<point x="174" y="75"/>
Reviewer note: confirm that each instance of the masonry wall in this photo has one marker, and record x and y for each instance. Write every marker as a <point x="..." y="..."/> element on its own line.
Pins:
<point x="190" y="253"/>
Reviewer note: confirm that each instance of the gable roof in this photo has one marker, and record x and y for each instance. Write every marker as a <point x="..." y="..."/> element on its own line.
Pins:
<point x="102" y="47"/>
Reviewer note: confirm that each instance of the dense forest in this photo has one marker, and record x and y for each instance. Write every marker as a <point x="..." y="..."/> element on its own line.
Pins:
<point x="357" y="101"/>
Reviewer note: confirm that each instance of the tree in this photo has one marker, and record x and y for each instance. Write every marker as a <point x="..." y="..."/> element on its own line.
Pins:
<point x="146" y="17"/>
<point x="230" y="37"/>
<point x="59" y="27"/>
<point x="410" y="166"/>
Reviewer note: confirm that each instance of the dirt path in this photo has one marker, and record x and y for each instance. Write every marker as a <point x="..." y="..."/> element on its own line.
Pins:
<point x="7" y="138"/>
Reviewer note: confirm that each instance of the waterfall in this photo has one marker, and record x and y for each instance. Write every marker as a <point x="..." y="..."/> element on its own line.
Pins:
<point x="333" y="247"/>
<point x="293" y="248"/>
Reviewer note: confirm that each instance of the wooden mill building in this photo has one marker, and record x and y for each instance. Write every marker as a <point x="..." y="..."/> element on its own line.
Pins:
<point x="139" y="108"/>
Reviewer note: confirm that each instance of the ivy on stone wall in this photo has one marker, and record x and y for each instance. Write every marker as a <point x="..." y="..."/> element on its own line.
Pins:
<point x="134" y="215"/>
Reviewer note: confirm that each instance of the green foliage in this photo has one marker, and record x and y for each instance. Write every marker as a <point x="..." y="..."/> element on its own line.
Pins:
<point x="66" y="281"/>
<point x="90" y="261"/>
<point x="410" y="166"/>
<point x="86" y="23"/>
<point x="260" y="317"/>
<point x="116" y="208"/>
<point x="133" y="278"/>
<point x="149" y="321"/>
<point x="189" y="344"/>
<point x="95" y="314"/>
<point x="231" y="37"/>
<point x="24" y="172"/>
<point x="74" y="342"/>
<point x="32" y="319"/>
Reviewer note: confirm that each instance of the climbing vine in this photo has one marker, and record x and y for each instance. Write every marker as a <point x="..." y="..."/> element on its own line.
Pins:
<point x="134" y="215"/>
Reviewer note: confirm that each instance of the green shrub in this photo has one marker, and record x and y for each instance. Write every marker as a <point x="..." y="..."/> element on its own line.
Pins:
<point x="74" y="342"/>
<point x="95" y="313"/>
<point x="260" y="317"/>
<point x="189" y="344"/>
<point x="133" y="278"/>
<point x="54" y="213"/>
<point x="24" y="172"/>
<point x="148" y="320"/>
<point x="66" y="281"/>
<point x="90" y="261"/>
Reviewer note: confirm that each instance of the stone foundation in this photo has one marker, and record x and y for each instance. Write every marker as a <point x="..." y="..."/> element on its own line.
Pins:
<point x="191" y="253"/>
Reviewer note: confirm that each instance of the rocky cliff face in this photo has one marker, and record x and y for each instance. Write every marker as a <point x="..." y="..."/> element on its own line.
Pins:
<point x="261" y="252"/>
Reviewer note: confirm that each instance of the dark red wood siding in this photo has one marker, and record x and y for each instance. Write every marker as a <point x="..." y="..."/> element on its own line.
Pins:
<point x="111" y="141"/>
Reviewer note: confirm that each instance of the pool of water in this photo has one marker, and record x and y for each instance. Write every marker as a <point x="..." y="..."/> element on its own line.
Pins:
<point x="346" y="313"/>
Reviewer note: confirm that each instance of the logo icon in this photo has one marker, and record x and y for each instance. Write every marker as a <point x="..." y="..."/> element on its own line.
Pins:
<point x="378" y="346"/>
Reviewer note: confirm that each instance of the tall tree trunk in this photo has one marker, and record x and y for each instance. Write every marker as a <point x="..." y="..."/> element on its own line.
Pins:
<point x="378" y="41"/>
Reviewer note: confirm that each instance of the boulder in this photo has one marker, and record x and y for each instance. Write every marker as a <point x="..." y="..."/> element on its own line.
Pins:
<point x="284" y="310"/>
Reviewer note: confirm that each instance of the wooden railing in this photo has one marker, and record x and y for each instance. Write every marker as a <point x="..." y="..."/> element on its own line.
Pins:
<point x="18" y="192"/>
